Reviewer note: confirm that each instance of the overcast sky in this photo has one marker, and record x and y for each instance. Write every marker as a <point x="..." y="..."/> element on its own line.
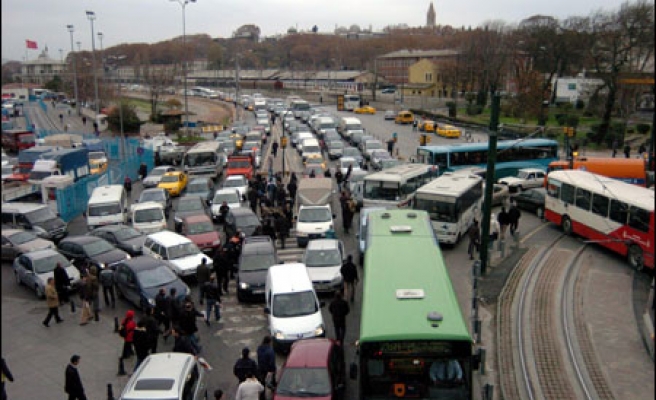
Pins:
<point x="134" y="21"/>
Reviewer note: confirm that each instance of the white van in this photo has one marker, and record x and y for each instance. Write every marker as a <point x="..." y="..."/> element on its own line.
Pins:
<point x="292" y="306"/>
<point x="107" y="205"/>
<point x="148" y="217"/>
<point x="310" y="146"/>
<point x="348" y="126"/>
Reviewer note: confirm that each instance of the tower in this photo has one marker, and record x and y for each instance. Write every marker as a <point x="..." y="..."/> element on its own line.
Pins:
<point x="430" y="16"/>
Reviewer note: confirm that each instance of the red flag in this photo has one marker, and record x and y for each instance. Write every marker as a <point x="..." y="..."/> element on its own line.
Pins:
<point x="30" y="44"/>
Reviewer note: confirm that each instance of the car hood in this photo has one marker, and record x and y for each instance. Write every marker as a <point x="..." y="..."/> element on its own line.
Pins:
<point x="257" y="278"/>
<point x="51" y="224"/>
<point x="297" y="327"/>
<point x="511" y="179"/>
<point x="71" y="270"/>
<point x="323" y="274"/>
<point x="152" y="180"/>
<point x="190" y="262"/>
<point x="36" y="244"/>
<point x="133" y="246"/>
<point x="110" y="257"/>
<point x="201" y="238"/>
<point x="248" y="229"/>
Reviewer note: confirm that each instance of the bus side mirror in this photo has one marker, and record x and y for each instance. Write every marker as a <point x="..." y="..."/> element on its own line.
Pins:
<point x="353" y="371"/>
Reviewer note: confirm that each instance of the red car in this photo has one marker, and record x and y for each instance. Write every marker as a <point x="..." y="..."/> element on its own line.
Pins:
<point x="315" y="369"/>
<point x="200" y="229"/>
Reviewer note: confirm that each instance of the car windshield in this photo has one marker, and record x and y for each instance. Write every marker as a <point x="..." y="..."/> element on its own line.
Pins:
<point x="351" y="152"/>
<point x="233" y="183"/>
<point x="152" y="196"/>
<point x="148" y="215"/>
<point x="183" y="250"/>
<point x="158" y="171"/>
<point x="197" y="187"/>
<point x="327" y="125"/>
<point x="247" y="220"/>
<point x="389" y="163"/>
<point x="97" y="247"/>
<point x="200" y="227"/>
<point x="314" y="215"/>
<point x="315" y="160"/>
<point x="100" y="210"/>
<point x="256" y="262"/>
<point x="239" y="164"/>
<point x="22" y="237"/>
<point x="335" y="144"/>
<point x="48" y="264"/>
<point x="438" y="210"/>
<point x="155" y="277"/>
<point x="190" y="205"/>
<point x="126" y="233"/>
<point x="40" y="215"/>
<point x="96" y="156"/>
<point x="349" y="163"/>
<point x="373" y="145"/>
<point x="229" y="198"/>
<point x="170" y="178"/>
<point x="522" y="175"/>
<point x="288" y="305"/>
<point x="304" y="382"/>
<point x="323" y="258"/>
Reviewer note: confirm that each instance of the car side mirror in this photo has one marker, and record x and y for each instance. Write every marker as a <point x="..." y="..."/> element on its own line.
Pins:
<point x="267" y="310"/>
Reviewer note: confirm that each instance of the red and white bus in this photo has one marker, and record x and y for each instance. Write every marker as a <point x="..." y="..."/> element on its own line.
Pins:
<point x="612" y="213"/>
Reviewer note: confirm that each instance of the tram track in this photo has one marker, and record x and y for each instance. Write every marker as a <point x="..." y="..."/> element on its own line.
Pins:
<point x="545" y="350"/>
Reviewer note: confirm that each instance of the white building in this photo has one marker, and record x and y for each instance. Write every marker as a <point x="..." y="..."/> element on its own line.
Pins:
<point x="43" y="69"/>
<point x="571" y="89"/>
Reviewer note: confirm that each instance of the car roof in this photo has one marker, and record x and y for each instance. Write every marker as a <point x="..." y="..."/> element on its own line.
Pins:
<point x="235" y="177"/>
<point x="192" y="219"/>
<point x="162" y="167"/>
<point x="197" y="180"/>
<point x="258" y="245"/>
<point x="43" y="253"/>
<point x="227" y="191"/>
<point x="143" y="262"/>
<point x="310" y="353"/>
<point x="147" y="205"/>
<point x="242" y="211"/>
<point x="174" y="173"/>
<point x="11" y="232"/>
<point x="155" y="189"/>
<point x="323" y="244"/>
<point x="81" y="239"/>
<point x="111" y="228"/>
<point x="169" y="238"/>
<point x="161" y="375"/>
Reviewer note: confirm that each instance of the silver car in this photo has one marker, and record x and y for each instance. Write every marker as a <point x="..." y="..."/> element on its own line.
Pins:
<point x="155" y="175"/>
<point x="17" y="241"/>
<point x="34" y="268"/>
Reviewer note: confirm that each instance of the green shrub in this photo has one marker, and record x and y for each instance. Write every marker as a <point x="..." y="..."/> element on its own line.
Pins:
<point x="572" y="120"/>
<point x="561" y="119"/>
<point x="453" y="112"/>
<point x="474" y="109"/>
<point x="580" y="104"/>
<point x="565" y="106"/>
<point x="643" y="128"/>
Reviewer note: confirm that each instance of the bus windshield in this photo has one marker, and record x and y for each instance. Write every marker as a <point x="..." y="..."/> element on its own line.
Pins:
<point x="377" y="190"/>
<point x="197" y="159"/>
<point x="437" y="210"/>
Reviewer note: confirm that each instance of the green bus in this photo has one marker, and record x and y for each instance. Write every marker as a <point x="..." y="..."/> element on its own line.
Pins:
<point x="414" y="342"/>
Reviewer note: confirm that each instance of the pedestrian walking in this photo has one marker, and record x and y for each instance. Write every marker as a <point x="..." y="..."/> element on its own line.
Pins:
<point x="350" y="275"/>
<point x="270" y="166"/>
<point x="339" y="309"/>
<point x="244" y="365"/>
<point x="253" y="198"/>
<point x="313" y="174"/>
<point x="107" y="282"/>
<point x="292" y="187"/>
<point x="202" y="276"/>
<point x="414" y="125"/>
<point x="390" y="146"/>
<point x="504" y="222"/>
<point x="84" y="290"/>
<point x="513" y="216"/>
<point x="213" y="297"/>
<point x="6" y="376"/>
<point x="127" y="184"/>
<point x="642" y="150"/>
<point x="249" y="389"/>
<point x="269" y="229"/>
<point x="73" y="383"/>
<point x="272" y="190"/>
<point x="274" y="148"/>
<point x="182" y="344"/>
<point x="141" y="343"/>
<point x="339" y="177"/>
<point x="161" y="311"/>
<point x="348" y="211"/>
<point x="282" y="228"/>
<point x="474" y="234"/>
<point x="152" y="328"/>
<point x="94" y="292"/>
<point x="61" y="118"/>
<point x="84" y="121"/>
<point x="143" y="171"/>
<point x="221" y="269"/>
<point x="627" y="151"/>
<point x="266" y="364"/>
<point x="188" y="318"/>
<point x="223" y="211"/>
<point x="281" y="195"/>
<point x="62" y="283"/>
<point x="126" y="331"/>
<point x="52" y="299"/>
<point x="495" y="229"/>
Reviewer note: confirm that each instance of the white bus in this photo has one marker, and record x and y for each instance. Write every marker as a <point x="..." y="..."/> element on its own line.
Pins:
<point x="452" y="201"/>
<point x="395" y="187"/>
<point x="204" y="158"/>
<point x="351" y="102"/>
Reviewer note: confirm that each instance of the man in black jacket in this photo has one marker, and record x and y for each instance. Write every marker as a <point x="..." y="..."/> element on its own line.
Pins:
<point x="213" y="297"/>
<point x="222" y="268"/>
<point x="350" y="274"/>
<point x="62" y="283"/>
<point x="73" y="384"/>
<point x="244" y="365"/>
<point x="339" y="309"/>
<point x="202" y="276"/>
<point x="162" y="309"/>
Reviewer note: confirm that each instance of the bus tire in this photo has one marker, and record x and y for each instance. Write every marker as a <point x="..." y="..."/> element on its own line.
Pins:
<point x="566" y="223"/>
<point x="634" y="256"/>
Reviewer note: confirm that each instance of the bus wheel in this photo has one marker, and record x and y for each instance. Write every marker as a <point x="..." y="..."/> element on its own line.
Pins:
<point x="635" y="257"/>
<point x="567" y="226"/>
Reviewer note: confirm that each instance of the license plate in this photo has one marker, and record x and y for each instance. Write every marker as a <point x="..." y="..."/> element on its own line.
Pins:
<point x="258" y="291"/>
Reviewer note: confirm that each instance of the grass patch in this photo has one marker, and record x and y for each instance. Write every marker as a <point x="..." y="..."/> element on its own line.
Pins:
<point x="190" y="139"/>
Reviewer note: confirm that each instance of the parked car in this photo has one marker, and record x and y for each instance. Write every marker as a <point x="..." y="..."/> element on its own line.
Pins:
<point x="346" y="162"/>
<point x="138" y="280"/>
<point x="175" y="182"/>
<point x="526" y="178"/>
<point x="188" y="206"/>
<point x="237" y="182"/>
<point x="121" y="236"/>
<point x="377" y="157"/>
<point x="34" y="268"/>
<point x="158" y="195"/>
<point x="242" y="219"/>
<point x="230" y="196"/>
<point x="335" y="149"/>
<point x="182" y="254"/>
<point x="388" y="90"/>
<point x="17" y="241"/>
<point x="155" y="175"/>
<point x="369" y="146"/>
<point x="148" y="217"/>
<point x="354" y="153"/>
<point x="314" y="369"/>
<point x="390" y="114"/>
<point x="258" y="253"/>
<point x="201" y="187"/>
<point x="90" y="249"/>
<point x="201" y="231"/>
<point x="323" y="259"/>
<point x="531" y="200"/>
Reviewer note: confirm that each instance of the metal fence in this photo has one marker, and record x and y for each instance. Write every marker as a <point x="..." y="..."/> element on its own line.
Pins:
<point x="72" y="201"/>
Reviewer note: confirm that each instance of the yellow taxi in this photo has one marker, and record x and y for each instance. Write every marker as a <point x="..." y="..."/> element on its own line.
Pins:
<point x="237" y="139"/>
<point x="447" y="131"/>
<point x="174" y="182"/>
<point x="97" y="168"/>
<point x="426" y="125"/>
<point x="404" y="117"/>
<point x="315" y="160"/>
<point x="365" y="110"/>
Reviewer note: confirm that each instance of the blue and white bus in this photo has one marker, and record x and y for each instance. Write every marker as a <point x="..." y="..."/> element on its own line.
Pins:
<point x="512" y="155"/>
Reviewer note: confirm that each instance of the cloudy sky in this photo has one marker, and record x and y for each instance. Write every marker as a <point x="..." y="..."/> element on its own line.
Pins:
<point x="132" y="21"/>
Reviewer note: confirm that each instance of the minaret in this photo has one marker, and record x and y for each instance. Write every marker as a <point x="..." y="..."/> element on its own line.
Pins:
<point x="430" y="16"/>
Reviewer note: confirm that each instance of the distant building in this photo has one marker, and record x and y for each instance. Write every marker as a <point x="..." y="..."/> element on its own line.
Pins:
<point x="42" y="70"/>
<point x="572" y="89"/>
<point x="249" y="31"/>
<point x="430" y="16"/>
<point x="394" y="66"/>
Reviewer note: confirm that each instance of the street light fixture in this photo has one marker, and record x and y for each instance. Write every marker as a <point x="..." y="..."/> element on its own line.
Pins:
<point x="77" y="100"/>
<point x="92" y="16"/>
<point x="183" y="4"/>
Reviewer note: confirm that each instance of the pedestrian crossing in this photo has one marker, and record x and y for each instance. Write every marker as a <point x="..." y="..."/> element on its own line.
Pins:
<point x="291" y="253"/>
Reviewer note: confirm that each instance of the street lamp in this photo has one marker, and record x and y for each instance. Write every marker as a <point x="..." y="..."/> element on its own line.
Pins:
<point x="183" y="4"/>
<point x="77" y="100"/>
<point x="92" y="16"/>
<point x="102" y="52"/>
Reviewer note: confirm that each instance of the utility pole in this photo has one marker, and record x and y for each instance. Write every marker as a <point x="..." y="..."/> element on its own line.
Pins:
<point x="489" y="181"/>
<point x="236" y="86"/>
<point x="71" y="29"/>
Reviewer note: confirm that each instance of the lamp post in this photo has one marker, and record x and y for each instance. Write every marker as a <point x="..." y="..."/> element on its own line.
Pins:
<point x="102" y="52"/>
<point x="79" y="45"/>
<point x="183" y="4"/>
<point x="92" y="16"/>
<point x="237" y="86"/>
<point x="77" y="100"/>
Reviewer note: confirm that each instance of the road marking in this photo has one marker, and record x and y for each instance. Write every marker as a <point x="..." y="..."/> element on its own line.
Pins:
<point x="533" y="232"/>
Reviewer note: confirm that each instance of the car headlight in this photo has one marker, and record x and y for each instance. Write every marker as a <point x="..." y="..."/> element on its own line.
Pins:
<point x="127" y="256"/>
<point x="151" y="302"/>
<point x="318" y="331"/>
<point x="278" y="335"/>
<point x="102" y="265"/>
<point x="244" y="286"/>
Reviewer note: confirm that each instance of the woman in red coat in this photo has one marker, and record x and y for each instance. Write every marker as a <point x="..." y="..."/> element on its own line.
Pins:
<point x="130" y="325"/>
